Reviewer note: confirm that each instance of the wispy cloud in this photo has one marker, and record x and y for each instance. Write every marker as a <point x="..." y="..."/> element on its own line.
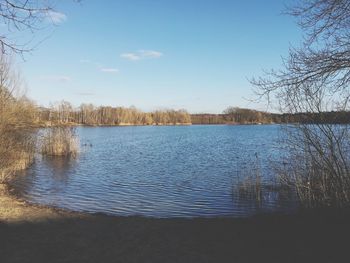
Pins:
<point x="56" y="17"/>
<point x="99" y="66"/>
<point x="130" y="56"/>
<point x="150" y="54"/>
<point x="141" y="54"/>
<point x="56" y="78"/>
<point x="109" y="70"/>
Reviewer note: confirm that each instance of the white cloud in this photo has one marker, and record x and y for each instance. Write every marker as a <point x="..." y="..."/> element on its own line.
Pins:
<point x="56" y="17"/>
<point x="130" y="56"/>
<point x="56" y="78"/>
<point x="141" y="54"/>
<point x="109" y="70"/>
<point x="99" y="66"/>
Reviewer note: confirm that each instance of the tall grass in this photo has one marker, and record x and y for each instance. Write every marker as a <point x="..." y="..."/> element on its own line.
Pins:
<point x="60" y="141"/>
<point x="15" y="156"/>
<point x="249" y="185"/>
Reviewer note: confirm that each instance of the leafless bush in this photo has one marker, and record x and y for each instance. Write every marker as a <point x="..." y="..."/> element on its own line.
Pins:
<point x="319" y="170"/>
<point x="17" y="136"/>
<point x="60" y="141"/>
<point x="316" y="79"/>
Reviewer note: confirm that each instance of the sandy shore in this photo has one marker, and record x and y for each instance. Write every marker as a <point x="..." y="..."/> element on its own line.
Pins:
<point x="40" y="234"/>
<point x="13" y="210"/>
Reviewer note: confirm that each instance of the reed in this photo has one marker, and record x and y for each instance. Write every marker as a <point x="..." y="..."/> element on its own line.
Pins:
<point x="249" y="185"/>
<point x="250" y="188"/>
<point x="60" y="141"/>
<point x="22" y="161"/>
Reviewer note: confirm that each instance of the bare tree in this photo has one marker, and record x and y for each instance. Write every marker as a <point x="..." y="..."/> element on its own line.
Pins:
<point x="321" y="66"/>
<point x="21" y="17"/>
<point x="315" y="79"/>
<point x="231" y="113"/>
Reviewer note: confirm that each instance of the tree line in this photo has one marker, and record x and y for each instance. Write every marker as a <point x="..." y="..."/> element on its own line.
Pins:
<point x="235" y="115"/>
<point x="64" y="113"/>
<point x="88" y="114"/>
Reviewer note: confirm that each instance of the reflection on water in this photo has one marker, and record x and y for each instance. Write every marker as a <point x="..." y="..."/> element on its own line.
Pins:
<point x="61" y="167"/>
<point x="162" y="172"/>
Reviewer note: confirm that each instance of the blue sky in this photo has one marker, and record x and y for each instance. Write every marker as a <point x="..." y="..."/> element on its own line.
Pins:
<point x="153" y="54"/>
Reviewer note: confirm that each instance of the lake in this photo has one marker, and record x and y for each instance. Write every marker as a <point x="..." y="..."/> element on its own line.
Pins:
<point x="162" y="171"/>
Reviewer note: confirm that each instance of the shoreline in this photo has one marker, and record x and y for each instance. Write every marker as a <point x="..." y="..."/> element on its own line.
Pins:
<point x="35" y="233"/>
<point x="72" y="124"/>
<point x="15" y="209"/>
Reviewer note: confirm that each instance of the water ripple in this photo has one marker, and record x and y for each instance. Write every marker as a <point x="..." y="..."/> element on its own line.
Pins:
<point x="159" y="172"/>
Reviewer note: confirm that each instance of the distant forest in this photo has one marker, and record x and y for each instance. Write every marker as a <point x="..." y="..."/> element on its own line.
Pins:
<point x="88" y="114"/>
<point x="248" y="116"/>
<point x="234" y="115"/>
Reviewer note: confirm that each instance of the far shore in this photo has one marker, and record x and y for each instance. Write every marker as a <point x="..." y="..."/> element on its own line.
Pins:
<point x="72" y="124"/>
<point x="33" y="233"/>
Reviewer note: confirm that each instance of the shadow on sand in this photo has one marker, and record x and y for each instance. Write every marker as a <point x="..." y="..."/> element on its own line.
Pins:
<point x="305" y="237"/>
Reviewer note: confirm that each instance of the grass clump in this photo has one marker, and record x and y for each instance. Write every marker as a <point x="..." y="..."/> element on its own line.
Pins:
<point x="60" y="141"/>
<point x="249" y="184"/>
<point x="250" y="188"/>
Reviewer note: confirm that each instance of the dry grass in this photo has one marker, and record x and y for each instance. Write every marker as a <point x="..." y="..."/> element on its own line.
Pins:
<point x="21" y="162"/>
<point x="60" y="141"/>
<point x="249" y="185"/>
<point x="250" y="188"/>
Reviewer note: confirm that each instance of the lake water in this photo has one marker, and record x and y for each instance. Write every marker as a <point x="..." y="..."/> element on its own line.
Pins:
<point x="168" y="171"/>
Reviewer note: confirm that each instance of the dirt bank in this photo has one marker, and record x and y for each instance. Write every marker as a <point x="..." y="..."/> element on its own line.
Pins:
<point x="38" y="234"/>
